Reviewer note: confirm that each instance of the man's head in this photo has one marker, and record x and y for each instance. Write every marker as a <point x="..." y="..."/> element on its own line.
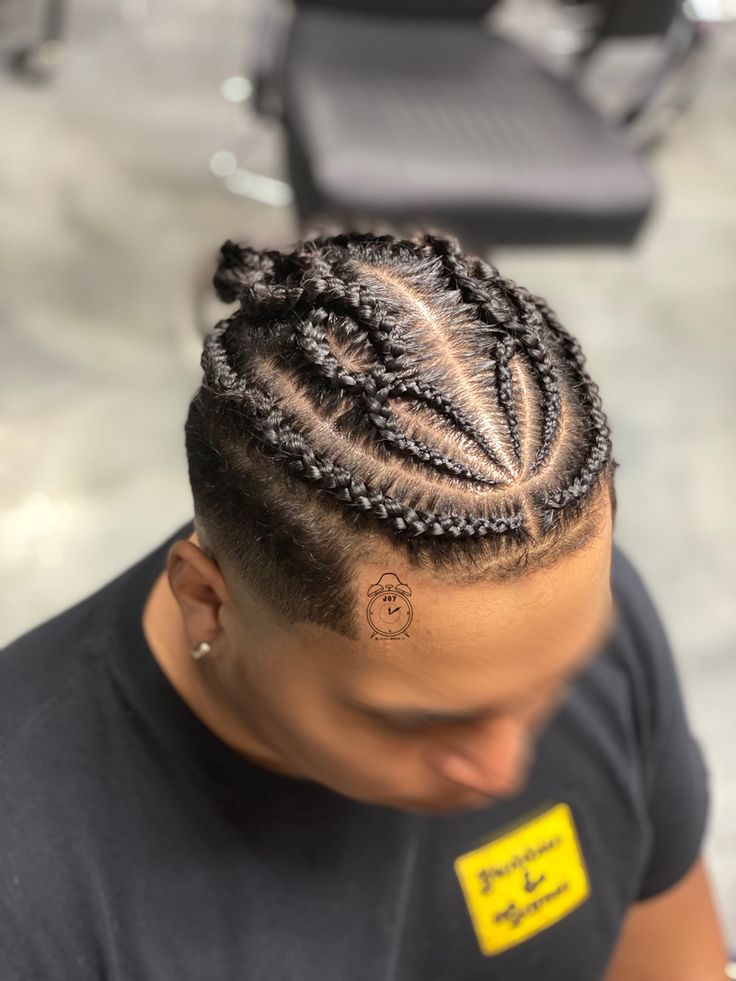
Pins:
<point x="403" y="491"/>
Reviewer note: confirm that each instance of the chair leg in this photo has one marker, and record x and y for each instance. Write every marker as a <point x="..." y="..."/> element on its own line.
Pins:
<point x="39" y="61"/>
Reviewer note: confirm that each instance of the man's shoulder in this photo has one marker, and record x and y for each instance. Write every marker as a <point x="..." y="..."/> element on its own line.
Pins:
<point x="626" y="579"/>
<point x="41" y="668"/>
<point x="49" y="684"/>
<point x="642" y="643"/>
<point x="639" y="623"/>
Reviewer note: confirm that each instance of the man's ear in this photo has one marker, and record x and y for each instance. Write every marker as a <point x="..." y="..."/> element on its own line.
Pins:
<point x="199" y="588"/>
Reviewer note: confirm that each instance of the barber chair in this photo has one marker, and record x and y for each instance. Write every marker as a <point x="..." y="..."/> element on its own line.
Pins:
<point x="414" y="112"/>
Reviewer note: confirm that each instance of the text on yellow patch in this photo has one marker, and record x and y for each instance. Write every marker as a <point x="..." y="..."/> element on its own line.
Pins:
<point x="524" y="881"/>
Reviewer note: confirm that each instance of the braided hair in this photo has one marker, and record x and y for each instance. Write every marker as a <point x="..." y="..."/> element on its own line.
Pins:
<point x="371" y="391"/>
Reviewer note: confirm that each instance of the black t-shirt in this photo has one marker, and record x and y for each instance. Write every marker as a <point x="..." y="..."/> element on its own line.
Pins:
<point x="137" y="846"/>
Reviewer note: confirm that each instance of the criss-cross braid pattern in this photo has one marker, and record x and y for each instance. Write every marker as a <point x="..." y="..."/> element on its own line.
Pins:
<point x="291" y="308"/>
<point x="390" y="378"/>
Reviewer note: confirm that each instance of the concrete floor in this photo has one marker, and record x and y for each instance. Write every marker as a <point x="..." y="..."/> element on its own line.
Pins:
<point x="109" y="212"/>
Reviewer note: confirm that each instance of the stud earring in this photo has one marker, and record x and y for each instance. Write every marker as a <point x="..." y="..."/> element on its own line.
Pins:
<point x="201" y="650"/>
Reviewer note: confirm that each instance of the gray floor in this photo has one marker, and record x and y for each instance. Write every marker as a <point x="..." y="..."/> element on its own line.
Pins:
<point x="108" y="212"/>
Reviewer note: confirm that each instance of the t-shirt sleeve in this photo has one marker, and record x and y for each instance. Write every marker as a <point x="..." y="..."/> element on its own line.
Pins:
<point x="676" y="777"/>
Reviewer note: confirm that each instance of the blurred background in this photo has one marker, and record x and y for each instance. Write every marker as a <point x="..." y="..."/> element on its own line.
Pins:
<point x="588" y="149"/>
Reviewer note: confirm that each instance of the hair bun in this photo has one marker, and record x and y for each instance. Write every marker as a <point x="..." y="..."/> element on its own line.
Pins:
<point x="240" y="267"/>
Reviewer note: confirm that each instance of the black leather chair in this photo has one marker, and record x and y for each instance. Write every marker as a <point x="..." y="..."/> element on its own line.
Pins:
<point x="413" y="112"/>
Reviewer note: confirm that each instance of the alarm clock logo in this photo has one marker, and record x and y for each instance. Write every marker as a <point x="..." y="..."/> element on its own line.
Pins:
<point x="389" y="610"/>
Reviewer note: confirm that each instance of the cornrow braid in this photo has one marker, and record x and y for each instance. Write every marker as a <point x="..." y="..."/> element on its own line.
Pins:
<point x="372" y="387"/>
<point x="503" y="351"/>
<point x="500" y="302"/>
<point x="427" y="393"/>
<point x="599" y="457"/>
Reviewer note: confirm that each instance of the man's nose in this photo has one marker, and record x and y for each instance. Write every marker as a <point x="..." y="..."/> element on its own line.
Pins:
<point x="493" y="761"/>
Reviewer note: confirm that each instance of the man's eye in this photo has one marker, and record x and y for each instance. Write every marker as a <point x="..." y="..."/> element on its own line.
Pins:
<point x="405" y="724"/>
<point x="410" y="726"/>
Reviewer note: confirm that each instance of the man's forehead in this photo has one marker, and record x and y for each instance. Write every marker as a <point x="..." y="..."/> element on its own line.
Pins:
<point x="550" y="606"/>
<point x="479" y="680"/>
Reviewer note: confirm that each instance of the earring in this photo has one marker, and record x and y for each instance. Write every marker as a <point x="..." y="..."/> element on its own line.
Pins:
<point x="201" y="650"/>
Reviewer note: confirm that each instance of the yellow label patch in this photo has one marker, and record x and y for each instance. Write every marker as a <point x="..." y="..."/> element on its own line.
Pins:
<point x="524" y="881"/>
